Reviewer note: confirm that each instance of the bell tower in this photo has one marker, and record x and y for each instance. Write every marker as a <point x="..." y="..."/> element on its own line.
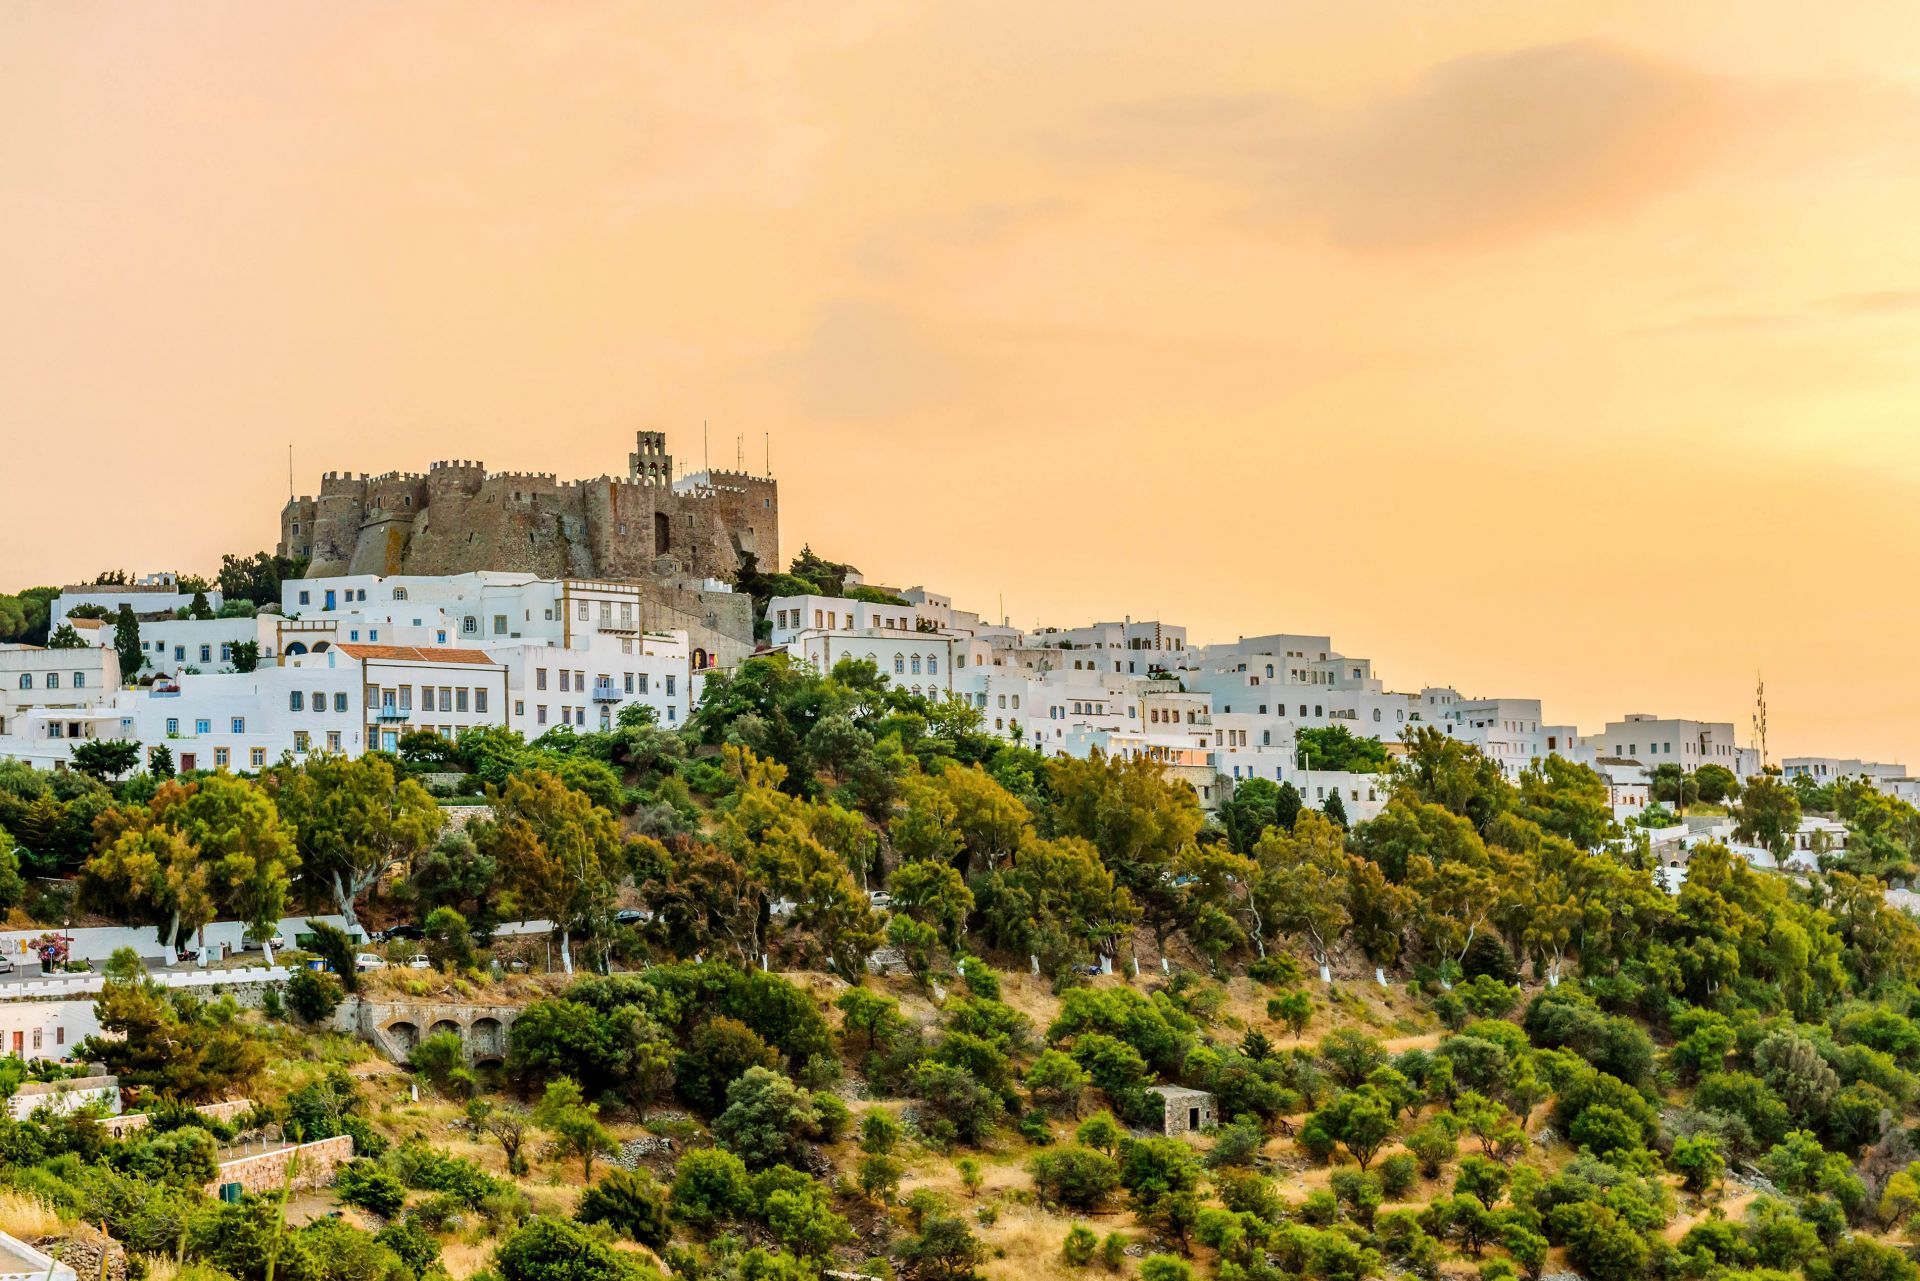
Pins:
<point x="650" y="463"/>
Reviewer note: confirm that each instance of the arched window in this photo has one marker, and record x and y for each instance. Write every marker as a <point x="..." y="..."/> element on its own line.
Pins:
<point x="399" y="593"/>
<point x="933" y="665"/>
<point x="1376" y="716"/>
<point x="1269" y="671"/>
<point x="899" y="664"/>
<point x="916" y="664"/>
<point x="469" y="626"/>
<point x="26" y="680"/>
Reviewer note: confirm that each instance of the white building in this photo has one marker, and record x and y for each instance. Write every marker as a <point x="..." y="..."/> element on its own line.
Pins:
<point x="1654" y="741"/>
<point x="1831" y="769"/>
<point x="155" y="595"/>
<point x="53" y="694"/>
<point x="172" y="646"/>
<point x="586" y="686"/>
<point x="791" y="617"/>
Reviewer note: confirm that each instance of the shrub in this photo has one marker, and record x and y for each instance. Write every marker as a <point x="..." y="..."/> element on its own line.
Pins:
<point x="550" y="1249"/>
<point x="710" y="1186"/>
<point x="1079" y="1246"/>
<point x="1165" y="1267"/>
<point x="630" y="1203"/>
<point x="366" y="1185"/>
<point x="1078" y="1178"/>
<point x="1397" y="1174"/>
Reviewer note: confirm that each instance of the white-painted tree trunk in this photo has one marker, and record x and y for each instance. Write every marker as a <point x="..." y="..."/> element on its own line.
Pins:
<point x="566" y="951"/>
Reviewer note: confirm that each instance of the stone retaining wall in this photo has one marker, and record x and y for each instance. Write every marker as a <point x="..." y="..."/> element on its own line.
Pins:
<point x="267" y="1171"/>
<point x="120" y="1126"/>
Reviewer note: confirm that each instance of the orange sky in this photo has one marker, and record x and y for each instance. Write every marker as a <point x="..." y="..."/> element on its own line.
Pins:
<point x="1555" y="349"/>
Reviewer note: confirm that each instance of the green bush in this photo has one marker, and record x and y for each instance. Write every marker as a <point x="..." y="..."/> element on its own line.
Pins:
<point x="631" y="1204"/>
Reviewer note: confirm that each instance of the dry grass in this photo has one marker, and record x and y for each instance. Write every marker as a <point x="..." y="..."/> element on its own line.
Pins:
<point x="462" y="1259"/>
<point x="26" y="1217"/>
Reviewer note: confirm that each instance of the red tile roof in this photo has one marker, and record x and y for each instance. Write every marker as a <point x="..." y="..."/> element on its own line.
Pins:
<point x="418" y="654"/>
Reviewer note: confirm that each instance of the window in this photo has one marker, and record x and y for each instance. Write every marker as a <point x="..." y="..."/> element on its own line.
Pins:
<point x="333" y="740"/>
<point x="173" y="726"/>
<point x="319" y="700"/>
<point x="643" y="682"/>
<point x="916" y="664"/>
<point x="203" y="725"/>
<point x="899" y="664"/>
<point x="26" y="680"/>
<point x="539" y="678"/>
<point x="239" y="724"/>
<point x="933" y="665"/>
<point x="221" y="757"/>
<point x="446" y="699"/>
<point x="499" y="624"/>
<point x="306" y="598"/>
<point x="480" y="701"/>
<point x="399" y="593"/>
<point x="300" y="741"/>
<point x="256" y="757"/>
<point x="540" y="714"/>
<point x="296" y="701"/>
<point x="460" y="699"/>
<point x="339" y="705"/>
<point x="566" y="678"/>
<point x="469" y="626"/>
<point x="179" y="653"/>
<point x="79" y="680"/>
<point x="583" y="611"/>
<point x="226" y="651"/>
<point x="53" y="680"/>
<point x="629" y="683"/>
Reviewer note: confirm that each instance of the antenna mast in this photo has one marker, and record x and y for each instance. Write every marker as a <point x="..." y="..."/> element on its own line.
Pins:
<point x="1760" y="720"/>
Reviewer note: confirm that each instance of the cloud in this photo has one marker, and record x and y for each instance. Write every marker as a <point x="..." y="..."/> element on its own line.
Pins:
<point x="1872" y="302"/>
<point x="1488" y="147"/>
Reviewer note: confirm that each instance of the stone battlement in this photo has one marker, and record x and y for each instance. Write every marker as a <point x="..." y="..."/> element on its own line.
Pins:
<point x="458" y="517"/>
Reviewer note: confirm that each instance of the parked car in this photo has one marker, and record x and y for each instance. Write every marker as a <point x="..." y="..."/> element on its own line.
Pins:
<point x="410" y="933"/>
<point x="629" y="916"/>
<point x="6" y="965"/>
<point x="368" y="961"/>
<point x="419" y="961"/>
<point x="253" y="944"/>
<point x="880" y="899"/>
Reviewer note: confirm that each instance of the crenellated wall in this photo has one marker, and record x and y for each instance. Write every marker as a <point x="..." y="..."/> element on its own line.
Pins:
<point x="459" y="517"/>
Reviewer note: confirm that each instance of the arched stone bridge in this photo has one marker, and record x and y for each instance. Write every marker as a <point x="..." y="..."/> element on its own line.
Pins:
<point x="395" y="1027"/>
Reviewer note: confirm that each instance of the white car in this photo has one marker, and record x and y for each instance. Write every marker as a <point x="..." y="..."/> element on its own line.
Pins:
<point x="419" y="961"/>
<point x="368" y="961"/>
<point x="253" y="944"/>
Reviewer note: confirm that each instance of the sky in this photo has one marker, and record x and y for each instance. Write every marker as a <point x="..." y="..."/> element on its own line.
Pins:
<point x="1559" y="350"/>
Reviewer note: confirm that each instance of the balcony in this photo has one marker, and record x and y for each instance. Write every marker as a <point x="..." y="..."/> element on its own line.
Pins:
<point x="607" y="694"/>
<point x="393" y="714"/>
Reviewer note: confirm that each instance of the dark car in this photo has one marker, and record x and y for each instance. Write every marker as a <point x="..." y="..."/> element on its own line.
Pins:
<point x="629" y="916"/>
<point x="411" y="933"/>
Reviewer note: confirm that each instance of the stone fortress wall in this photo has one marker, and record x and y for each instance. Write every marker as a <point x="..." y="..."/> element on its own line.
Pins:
<point x="458" y="516"/>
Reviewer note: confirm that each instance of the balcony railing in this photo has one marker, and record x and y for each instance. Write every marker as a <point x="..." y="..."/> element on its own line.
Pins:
<point x="394" y="714"/>
<point x="607" y="694"/>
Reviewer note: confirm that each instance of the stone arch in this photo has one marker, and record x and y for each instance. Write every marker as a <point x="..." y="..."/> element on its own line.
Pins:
<point x="446" y="1025"/>
<point x="662" y="534"/>
<point x="405" y="1034"/>
<point x="321" y="647"/>
<point x="295" y="648"/>
<point x="487" y="1039"/>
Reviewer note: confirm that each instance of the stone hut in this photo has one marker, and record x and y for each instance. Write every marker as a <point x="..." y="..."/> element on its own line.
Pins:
<point x="1187" y="1111"/>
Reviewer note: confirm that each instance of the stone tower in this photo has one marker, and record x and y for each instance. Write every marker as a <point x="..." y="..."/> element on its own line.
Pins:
<point x="650" y="463"/>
